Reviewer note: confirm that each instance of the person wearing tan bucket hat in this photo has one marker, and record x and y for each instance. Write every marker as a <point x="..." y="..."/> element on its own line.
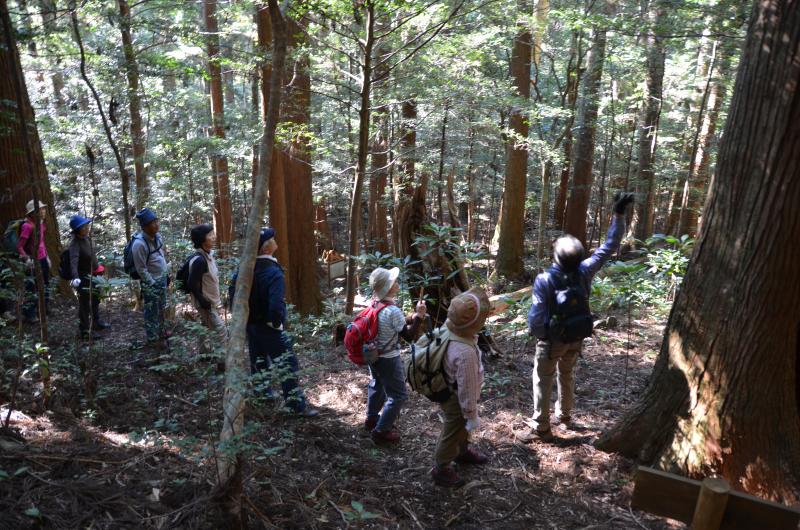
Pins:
<point x="387" y="393"/>
<point x="463" y="367"/>
<point x="29" y="251"/>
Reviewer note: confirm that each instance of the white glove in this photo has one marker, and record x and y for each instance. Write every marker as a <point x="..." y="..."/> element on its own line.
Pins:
<point x="473" y="423"/>
<point x="75" y="283"/>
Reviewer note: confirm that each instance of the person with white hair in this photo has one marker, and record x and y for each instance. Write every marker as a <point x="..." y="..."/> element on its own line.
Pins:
<point x="387" y="393"/>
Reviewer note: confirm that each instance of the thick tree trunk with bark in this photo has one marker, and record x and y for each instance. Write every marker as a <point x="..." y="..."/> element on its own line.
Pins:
<point x="642" y="225"/>
<point x="378" y="233"/>
<point x="134" y="104"/>
<point x="510" y="233"/>
<point x="724" y="394"/>
<point x="583" y="155"/>
<point x="17" y="178"/>
<point x="406" y="185"/>
<point x="302" y="275"/>
<point x="223" y="222"/>
<point x="236" y="362"/>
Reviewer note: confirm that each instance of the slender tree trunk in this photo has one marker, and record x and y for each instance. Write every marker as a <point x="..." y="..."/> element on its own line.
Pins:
<point x="134" y="104"/>
<point x="583" y="156"/>
<point x="123" y="171"/>
<point x="713" y="97"/>
<point x="510" y="232"/>
<point x="50" y="24"/>
<point x="542" y="12"/>
<point x="642" y="224"/>
<point x="734" y="326"/>
<point x="571" y="92"/>
<point x="223" y="222"/>
<point x="236" y="363"/>
<point x="361" y="163"/>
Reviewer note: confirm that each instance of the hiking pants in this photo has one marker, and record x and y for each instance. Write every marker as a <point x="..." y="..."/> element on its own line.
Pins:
<point x="454" y="436"/>
<point x="551" y="358"/>
<point x="155" y="301"/>
<point x="271" y="355"/>
<point x="88" y="310"/>
<point x="217" y="337"/>
<point x="386" y="393"/>
<point x="31" y="306"/>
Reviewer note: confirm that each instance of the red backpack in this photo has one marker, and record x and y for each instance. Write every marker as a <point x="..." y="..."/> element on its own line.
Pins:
<point x="359" y="339"/>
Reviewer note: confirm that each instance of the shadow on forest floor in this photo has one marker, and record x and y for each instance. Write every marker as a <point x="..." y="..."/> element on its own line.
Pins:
<point x="126" y="445"/>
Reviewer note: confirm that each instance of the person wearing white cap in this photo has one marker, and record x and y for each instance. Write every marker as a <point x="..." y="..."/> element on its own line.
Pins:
<point x="28" y="251"/>
<point x="386" y="393"/>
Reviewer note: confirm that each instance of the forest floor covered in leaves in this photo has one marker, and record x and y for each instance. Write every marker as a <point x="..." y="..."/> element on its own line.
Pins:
<point x="126" y="443"/>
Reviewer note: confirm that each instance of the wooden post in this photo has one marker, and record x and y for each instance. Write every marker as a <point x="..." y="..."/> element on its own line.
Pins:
<point x="711" y="504"/>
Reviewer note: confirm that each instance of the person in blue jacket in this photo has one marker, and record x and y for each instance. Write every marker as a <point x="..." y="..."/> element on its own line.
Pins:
<point x="270" y="345"/>
<point x="553" y="354"/>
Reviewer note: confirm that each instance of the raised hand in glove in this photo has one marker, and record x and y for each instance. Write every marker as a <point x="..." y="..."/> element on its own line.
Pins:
<point x="621" y="201"/>
<point x="473" y="423"/>
<point x="75" y="283"/>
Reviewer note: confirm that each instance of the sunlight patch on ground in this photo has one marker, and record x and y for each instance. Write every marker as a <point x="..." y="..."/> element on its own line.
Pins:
<point x="343" y="399"/>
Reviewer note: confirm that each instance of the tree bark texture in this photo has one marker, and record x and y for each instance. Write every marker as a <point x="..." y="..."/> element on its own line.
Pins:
<point x="648" y="123"/>
<point x="302" y="275"/>
<point x="583" y="155"/>
<point x="134" y="104"/>
<point x="406" y="187"/>
<point x="378" y="233"/>
<point x="236" y="361"/>
<point x="17" y="179"/>
<point x="723" y="396"/>
<point x="510" y="234"/>
<point x="361" y="159"/>
<point x="571" y="92"/>
<point x="223" y="223"/>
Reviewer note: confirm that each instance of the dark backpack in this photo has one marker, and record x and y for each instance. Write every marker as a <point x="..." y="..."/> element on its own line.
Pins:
<point x="64" y="266"/>
<point x="11" y="235"/>
<point x="571" y="319"/>
<point x="361" y="334"/>
<point x="127" y="256"/>
<point x="182" y="276"/>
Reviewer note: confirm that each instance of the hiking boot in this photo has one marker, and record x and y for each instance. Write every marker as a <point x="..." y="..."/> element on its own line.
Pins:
<point x="535" y="435"/>
<point x="101" y="324"/>
<point x="472" y="456"/>
<point x="391" y="436"/>
<point x="446" y="476"/>
<point x="371" y="423"/>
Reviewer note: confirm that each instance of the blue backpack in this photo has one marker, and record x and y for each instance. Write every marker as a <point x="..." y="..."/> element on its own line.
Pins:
<point x="571" y="319"/>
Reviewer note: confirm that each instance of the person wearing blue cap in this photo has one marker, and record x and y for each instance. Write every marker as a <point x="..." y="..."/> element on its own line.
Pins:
<point x="83" y="265"/>
<point x="267" y="339"/>
<point x="151" y="265"/>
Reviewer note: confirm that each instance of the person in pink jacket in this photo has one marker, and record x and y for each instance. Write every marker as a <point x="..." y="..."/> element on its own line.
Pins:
<point x="464" y="370"/>
<point x="28" y="251"/>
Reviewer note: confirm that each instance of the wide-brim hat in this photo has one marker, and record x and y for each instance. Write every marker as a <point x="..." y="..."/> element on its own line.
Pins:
<point x="29" y="208"/>
<point x="381" y="281"/>
<point x="468" y="312"/>
<point x="76" y="222"/>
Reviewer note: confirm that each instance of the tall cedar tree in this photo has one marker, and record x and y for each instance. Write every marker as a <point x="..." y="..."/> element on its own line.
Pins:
<point x="724" y="395"/>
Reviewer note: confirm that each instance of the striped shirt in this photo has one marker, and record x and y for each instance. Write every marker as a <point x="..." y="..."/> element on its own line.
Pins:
<point x="463" y="364"/>
<point x="391" y="321"/>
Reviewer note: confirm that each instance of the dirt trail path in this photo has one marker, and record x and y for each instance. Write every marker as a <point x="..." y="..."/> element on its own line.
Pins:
<point x="79" y="466"/>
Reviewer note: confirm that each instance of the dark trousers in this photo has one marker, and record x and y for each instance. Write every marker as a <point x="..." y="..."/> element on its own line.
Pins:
<point x="271" y="355"/>
<point x="88" y="304"/>
<point x="155" y="301"/>
<point x="30" y="308"/>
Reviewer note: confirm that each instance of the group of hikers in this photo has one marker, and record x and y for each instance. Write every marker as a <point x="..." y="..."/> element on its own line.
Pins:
<point x="559" y="319"/>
